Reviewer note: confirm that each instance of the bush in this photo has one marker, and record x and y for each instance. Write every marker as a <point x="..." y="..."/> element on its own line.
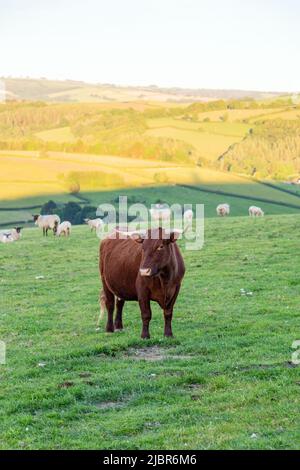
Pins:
<point x="70" y="211"/>
<point x="160" y="177"/>
<point x="74" y="187"/>
<point x="48" y="208"/>
<point x="87" y="212"/>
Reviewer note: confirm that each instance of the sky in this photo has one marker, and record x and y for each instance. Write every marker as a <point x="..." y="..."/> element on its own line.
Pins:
<point x="223" y="44"/>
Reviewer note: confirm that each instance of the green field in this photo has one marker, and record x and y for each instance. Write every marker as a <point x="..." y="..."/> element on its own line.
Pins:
<point x="28" y="179"/>
<point x="225" y="381"/>
<point x="240" y="195"/>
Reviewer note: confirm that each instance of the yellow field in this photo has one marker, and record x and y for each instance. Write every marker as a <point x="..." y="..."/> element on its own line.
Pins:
<point x="233" y="129"/>
<point x="60" y="134"/>
<point x="289" y="115"/>
<point x="110" y="94"/>
<point x="24" y="174"/>
<point x="210" y="147"/>
<point x="237" y="114"/>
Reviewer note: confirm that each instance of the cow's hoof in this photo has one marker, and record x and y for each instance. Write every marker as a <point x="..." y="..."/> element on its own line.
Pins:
<point x="118" y="327"/>
<point x="118" y="330"/>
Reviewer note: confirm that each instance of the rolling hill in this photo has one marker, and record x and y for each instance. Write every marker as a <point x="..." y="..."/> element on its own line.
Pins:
<point x="78" y="91"/>
<point x="203" y="152"/>
<point x="28" y="180"/>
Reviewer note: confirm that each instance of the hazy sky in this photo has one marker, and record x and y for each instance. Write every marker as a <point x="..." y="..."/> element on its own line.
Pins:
<point x="188" y="43"/>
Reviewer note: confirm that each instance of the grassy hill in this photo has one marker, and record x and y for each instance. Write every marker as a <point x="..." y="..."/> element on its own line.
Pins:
<point x="211" y="387"/>
<point x="239" y="196"/>
<point x="29" y="179"/>
<point x="211" y="148"/>
<point x="200" y="133"/>
<point x="78" y="91"/>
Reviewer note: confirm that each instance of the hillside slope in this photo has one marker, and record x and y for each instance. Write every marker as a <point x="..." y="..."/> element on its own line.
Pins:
<point x="77" y="91"/>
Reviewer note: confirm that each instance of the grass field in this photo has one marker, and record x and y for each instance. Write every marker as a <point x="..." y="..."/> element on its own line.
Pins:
<point x="234" y="115"/>
<point x="202" y="141"/>
<point x="224" y="382"/>
<point x="210" y="139"/>
<point x="239" y="195"/>
<point x="26" y="179"/>
<point x="60" y="134"/>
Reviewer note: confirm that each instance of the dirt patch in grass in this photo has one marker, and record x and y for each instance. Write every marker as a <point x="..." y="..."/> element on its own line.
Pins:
<point x="195" y="390"/>
<point x="287" y="364"/>
<point x="66" y="384"/>
<point x="85" y="374"/>
<point x="195" y="386"/>
<point x="154" y="353"/>
<point x="108" y="405"/>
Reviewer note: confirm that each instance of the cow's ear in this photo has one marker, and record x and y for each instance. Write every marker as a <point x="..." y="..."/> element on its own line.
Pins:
<point x="173" y="237"/>
<point x="137" y="238"/>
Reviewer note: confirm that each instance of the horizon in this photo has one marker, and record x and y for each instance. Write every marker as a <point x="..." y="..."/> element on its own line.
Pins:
<point x="198" y="45"/>
<point x="150" y="85"/>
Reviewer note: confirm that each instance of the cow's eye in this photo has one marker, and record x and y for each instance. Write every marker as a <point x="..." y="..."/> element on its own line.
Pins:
<point x="160" y="247"/>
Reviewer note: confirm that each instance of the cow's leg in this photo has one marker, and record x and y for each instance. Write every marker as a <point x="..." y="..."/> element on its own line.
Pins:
<point x="146" y="316"/>
<point x="44" y="231"/>
<point x="168" y="314"/>
<point x="110" y="305"/>
<point x="118" y="318"/>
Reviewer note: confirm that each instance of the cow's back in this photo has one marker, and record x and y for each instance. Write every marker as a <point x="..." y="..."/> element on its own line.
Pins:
<point x="119" y="265"/>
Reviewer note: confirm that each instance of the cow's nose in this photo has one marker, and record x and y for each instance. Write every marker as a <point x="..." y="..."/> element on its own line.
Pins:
<point x="145" y="272"/>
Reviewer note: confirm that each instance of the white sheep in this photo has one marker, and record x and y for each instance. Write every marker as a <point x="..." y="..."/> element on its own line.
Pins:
<point x="255" y="211"/>
<point x="223" y="210"/>
<point x="6" y="238"/>
<point x="63" y="229"/>
<point x="11" y="235"/>
<point x="47" y="222"/>
<point x="94" y="224"/>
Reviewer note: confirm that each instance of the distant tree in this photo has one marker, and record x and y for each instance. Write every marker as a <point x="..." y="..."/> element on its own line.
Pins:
<point x="224" y="117"/>
<point x="70" y="211"/>
<point x="87" y="212"/>
<point x="49" y="207"/>
<point x="74" y="187"/>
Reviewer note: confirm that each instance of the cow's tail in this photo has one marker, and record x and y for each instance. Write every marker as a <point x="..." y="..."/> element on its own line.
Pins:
<point x="102" y="307"/>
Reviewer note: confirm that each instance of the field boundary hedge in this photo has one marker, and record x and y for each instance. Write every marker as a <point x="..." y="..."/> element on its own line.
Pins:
<point x="241" y="196"/>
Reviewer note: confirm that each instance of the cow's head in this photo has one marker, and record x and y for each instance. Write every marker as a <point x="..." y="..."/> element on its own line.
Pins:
<point x="156" y="249"/>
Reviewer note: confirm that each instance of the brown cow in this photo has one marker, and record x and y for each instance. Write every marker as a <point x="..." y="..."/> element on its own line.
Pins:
<point x="143" y="267"/>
